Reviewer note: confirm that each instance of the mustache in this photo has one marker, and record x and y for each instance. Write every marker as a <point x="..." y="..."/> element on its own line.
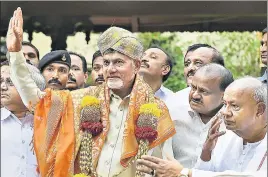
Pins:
<point x="196" y="100"/>
<point x="72" y="79"/>
<point x="99" y="78"/>
<point x="54" y="81"/>
<point x="145" y="62"/>
<point x="190" y="73"/>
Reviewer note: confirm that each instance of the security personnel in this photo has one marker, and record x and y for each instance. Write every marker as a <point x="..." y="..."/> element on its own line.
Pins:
<point x="55" y="67"/>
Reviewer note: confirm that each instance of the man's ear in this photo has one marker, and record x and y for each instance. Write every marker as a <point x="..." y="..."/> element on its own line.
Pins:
<point x="137" y="64"/>
<point x="165" y="70"/>
<point x="86" y="77"/>
<point x="261" y="107"/>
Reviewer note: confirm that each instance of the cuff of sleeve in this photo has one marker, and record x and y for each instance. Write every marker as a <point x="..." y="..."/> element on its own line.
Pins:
<point x="202" y="165"/>
<point x="18" y="56"/>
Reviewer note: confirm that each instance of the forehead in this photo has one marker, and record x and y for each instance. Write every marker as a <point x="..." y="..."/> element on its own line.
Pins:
<point x="5" y="71"/>
<point x="115" y="56"/>
<point x="98" y="61"/>
<point x="75" y="59"/>
<point x="57" y="65"/>
<point x="203" y="53"/>
<point x="238" y="95"/>
<point x="155" y="51"/>
<point x="211" y="83"/>
<point x="27" y="48"/>
<point x="264" y="37"/>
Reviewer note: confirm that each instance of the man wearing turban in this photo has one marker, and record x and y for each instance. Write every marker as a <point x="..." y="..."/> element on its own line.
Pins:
<point x="93" y="130"/>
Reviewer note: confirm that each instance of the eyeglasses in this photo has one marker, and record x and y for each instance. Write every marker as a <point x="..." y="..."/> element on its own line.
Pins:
<point x="30" y="55"/>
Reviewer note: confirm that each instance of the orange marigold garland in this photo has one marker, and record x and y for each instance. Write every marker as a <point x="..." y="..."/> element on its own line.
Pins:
<point x="91" y="126"/>
<point x="146" y="129"/>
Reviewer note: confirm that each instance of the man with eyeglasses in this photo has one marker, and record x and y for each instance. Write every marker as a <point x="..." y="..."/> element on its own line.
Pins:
<point x="30" y="53"/>
<point x="17" y="127"/>
<point x="156" y="66"/>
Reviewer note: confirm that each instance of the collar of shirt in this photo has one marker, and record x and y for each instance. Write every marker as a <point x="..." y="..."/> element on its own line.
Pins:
<point x="163" y="93"/>
<point x="113" y="95"/>
<point x="5" y="113"/>
<point x="28" y="118"/>
<point x="193" y="114"/>
<point x="264" y="77"/>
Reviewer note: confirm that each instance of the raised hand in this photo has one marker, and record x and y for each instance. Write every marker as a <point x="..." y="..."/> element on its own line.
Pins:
<point x="15" y="32"/>
<point x="212" y="138"/>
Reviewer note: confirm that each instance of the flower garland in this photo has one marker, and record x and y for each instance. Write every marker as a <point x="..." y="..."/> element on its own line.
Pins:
<point x="91" y="126"/>
<point x="146" y="129"/>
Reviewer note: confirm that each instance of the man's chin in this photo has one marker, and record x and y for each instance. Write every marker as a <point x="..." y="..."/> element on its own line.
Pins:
<point x="71" y="86"/>
<point x="264" y="61"/>
<point x="99" y="82"/>
<point x="55" y="87"/>
<point x="196" y="106"/>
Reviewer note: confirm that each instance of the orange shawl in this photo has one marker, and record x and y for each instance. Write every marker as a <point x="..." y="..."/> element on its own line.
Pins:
<point x="54" y="137"/>
<point x="57" y="136"/>
<point x="140" y="95"/>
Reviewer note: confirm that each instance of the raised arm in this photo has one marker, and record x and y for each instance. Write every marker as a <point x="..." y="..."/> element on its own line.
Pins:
<point x="20" y="75"/>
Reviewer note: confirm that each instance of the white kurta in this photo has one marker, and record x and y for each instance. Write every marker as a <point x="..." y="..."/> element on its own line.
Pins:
<point x="230" y="154"/>
<point x="191" y="134"/>
<point x="17" y="158"/>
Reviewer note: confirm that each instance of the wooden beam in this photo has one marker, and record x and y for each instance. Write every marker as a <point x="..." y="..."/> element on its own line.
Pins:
<point x="135" y="24"/>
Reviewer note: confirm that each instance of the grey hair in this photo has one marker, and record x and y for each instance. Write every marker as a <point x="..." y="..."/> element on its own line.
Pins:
<point x="214" y="70"/>
<point x="37" y="77"/>
<point x="260" y="94"/>
<point x="259" y="89"/>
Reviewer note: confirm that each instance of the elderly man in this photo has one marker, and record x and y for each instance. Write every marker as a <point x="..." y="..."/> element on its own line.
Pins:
<point x="97" y="71"/>
<point x="263" y="50"/>
<point x="242" y="150"/>
<point x="156" y="66"/>
<point x="205" y="100"/>
<point x="78" y="73"/>
<point x="17" y="156"/>
<point x="97" y="130"/>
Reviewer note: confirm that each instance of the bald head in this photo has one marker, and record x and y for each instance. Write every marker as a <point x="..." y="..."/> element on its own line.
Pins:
<point x="213" y="71"/>
<point x="252" y="86"/>
<point x="245" y="108"/>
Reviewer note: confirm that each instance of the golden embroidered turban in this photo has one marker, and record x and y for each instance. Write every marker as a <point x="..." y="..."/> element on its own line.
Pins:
<point x="122" y="41"/>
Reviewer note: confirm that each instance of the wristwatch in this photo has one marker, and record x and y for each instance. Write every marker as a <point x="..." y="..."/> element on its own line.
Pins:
<point x="184" y="173"/>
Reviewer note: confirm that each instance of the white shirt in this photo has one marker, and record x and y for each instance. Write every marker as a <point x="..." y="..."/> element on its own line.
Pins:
<point x="190" y="135"/>
<point x="178" y="100"/>
<point x="109" y="160"/>
<point x="17" y="158"/>
<point x="230" y="154"/>
<point x="164" y="93"/>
